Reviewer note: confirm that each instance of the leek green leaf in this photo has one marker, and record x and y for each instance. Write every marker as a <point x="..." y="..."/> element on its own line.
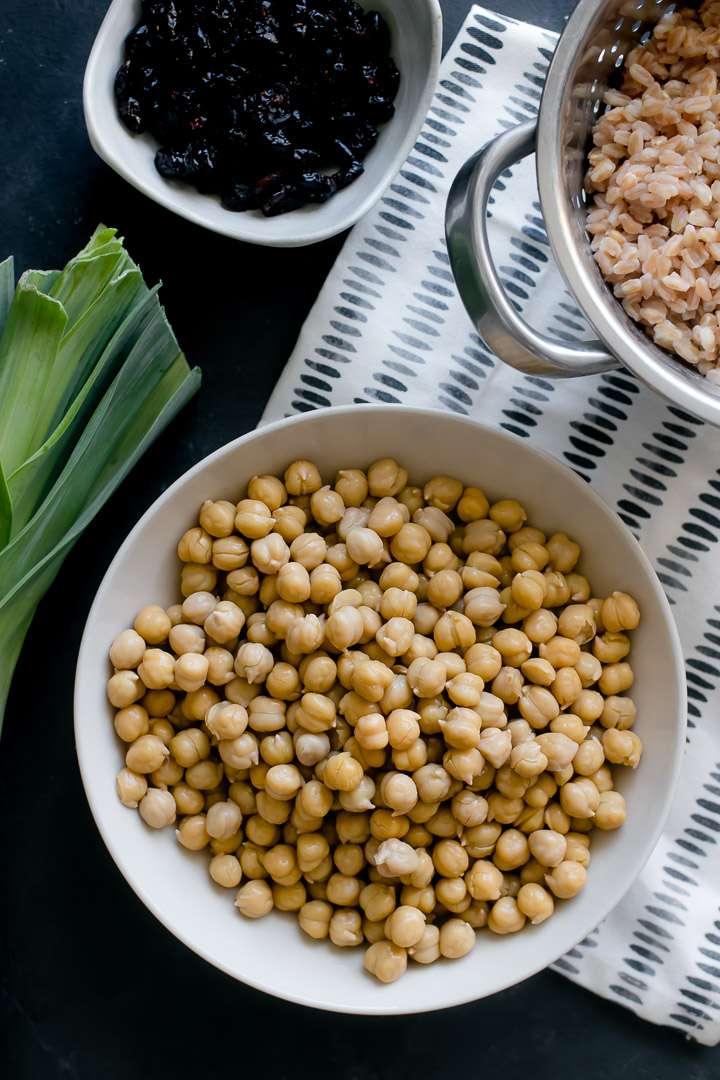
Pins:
<point x="90" y="373"/>
<point x="29" y="345"/>
<point x="18" y="606"/>
<point x="6" y="510"/>
<point x="43" y="280"/>
<point x="81" y="347"/>
<point x="7" y="288"/>
<point x="30" y="483"/>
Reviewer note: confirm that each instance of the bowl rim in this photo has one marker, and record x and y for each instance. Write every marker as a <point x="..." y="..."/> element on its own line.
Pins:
<point x="108" y="145"/>
<point x="656" y="367"/>
<point x="86" y="765"/>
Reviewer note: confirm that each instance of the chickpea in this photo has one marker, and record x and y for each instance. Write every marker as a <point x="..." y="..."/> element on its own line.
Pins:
<point x="540" y="626"/>
<point x="371" y="680"/>
<point x="190" y="746"/>
<point x="387" y="518"/>
<point x="483" y="606"/>
<point x="620" y="747"/>
<point x="346" y="927"/>
<point x="566" y="686"/>
<point x="195" y="546"/>
<point x="529" y="555"/>
<point x="342" y="772"/>
<point x="187" y="800"/>
<point x="567" y="879"/>
<point x="457" y="938"/>
<point x="472" y="505"/>
<point x="611" y="648"/>
<point x="513" y="645"/>
<point x="611" y="811"/>
<point x="192" y="832"/>
<point x="157" y="808"/>
<point x="146" y="754"/>
<point x="163" y="729"/>
<point x="395" y="858"/>
<point x="558" y="749"/>
<point x="589" y="705"/>
<point x="461" y="729"/>
<point x="580" y="798"/>
<point x="302" y="478"/>
<point x="491" y="711"/>
<point x="352" y="486"/>
<point x="153" y="625"/>
<point x="483" y="660"/>
<point x="508" y="514"/>
<point x="450" y="858"/>
<point x="399" y="792"/>
<point x="398" y="603"/>
<point x="558" y="592"/>
<point x="615" y="679"/>
<point x="198" y="606"/>
<point x="127" y="650"/>
<point x="131" y="722"/>
<point x="168" y="774"/>
<point x="385" y="960"/>
<point x="589" y="757"/>
<point x="124" y="688"/>
<point x="577" y="622"/>
<point x="529" y="589"/>
<point x="405" y="926"/>
<point x="506" y="917"/>
<point x="290" y="522"/>
<point x="508" y="684"/>
<point x="484" y="879"/>
<point x="196" y="577"/>
<point x="223" y="820"/>
<point x="158" y="703"/>
<point x="535" y="903"/>
<point x="619" y="612"/>
<point x="225" y="870"/>
<point x="191" y="671"/>
<point x="218" y="518"/>
<point x="427" y="949"/>
<point x="411" y="543"/>
<point x="283" y="781"/>
<point x="385" y="477"/>
<point x="131" y="787"/>
<point x="453" y="630"/>
<point x="250" y="856"/>
<point x="503" y="808"/>
<point x="254" y="899"/>
<point x="618" y="712"/>
<point x="365" y="547"/>
<point x="187" y="638"/>
<point x="314" y="918"/>
<point x="230" y="553"/>
<point x="511" y="850"/>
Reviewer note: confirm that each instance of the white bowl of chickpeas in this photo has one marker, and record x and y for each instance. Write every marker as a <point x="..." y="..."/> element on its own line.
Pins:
<point x="378" y="690"/>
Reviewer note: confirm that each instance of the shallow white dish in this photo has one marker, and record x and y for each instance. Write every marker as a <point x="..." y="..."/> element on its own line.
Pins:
<point x="273" y="954"/>
<point x="416" y="45"/>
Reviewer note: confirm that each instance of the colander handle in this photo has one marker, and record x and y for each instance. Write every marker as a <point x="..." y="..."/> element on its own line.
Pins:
<point x="494" y="315"/>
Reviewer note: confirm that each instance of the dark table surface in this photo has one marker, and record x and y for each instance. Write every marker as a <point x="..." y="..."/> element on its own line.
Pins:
<point x="92" y="986"/>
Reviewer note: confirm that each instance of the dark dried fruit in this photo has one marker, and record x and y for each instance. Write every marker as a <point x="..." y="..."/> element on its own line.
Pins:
<point x="259" y="100"/>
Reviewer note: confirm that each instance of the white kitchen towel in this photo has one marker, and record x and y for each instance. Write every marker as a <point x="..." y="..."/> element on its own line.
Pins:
<point x="388" y="326"/>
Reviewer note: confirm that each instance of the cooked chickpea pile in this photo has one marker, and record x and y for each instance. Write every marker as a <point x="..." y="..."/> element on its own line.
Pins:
<point x="391" y="709"/>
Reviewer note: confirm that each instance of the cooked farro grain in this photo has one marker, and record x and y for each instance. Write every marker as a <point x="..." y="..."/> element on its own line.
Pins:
<point x="655" y="171"/>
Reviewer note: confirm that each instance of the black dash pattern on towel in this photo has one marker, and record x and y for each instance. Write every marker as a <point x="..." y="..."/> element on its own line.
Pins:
<point x="389" y="327"/>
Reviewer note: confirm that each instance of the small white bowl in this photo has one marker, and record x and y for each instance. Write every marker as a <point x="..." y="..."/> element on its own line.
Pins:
<point x="273" y="954"/>
<point x="416" y="44"/>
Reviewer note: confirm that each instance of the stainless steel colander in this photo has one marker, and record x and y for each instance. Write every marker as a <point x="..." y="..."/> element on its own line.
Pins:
<point x="586" y="61"/>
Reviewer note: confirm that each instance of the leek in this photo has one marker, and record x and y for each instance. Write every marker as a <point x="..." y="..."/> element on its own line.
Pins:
<point x="90" y="374"/>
